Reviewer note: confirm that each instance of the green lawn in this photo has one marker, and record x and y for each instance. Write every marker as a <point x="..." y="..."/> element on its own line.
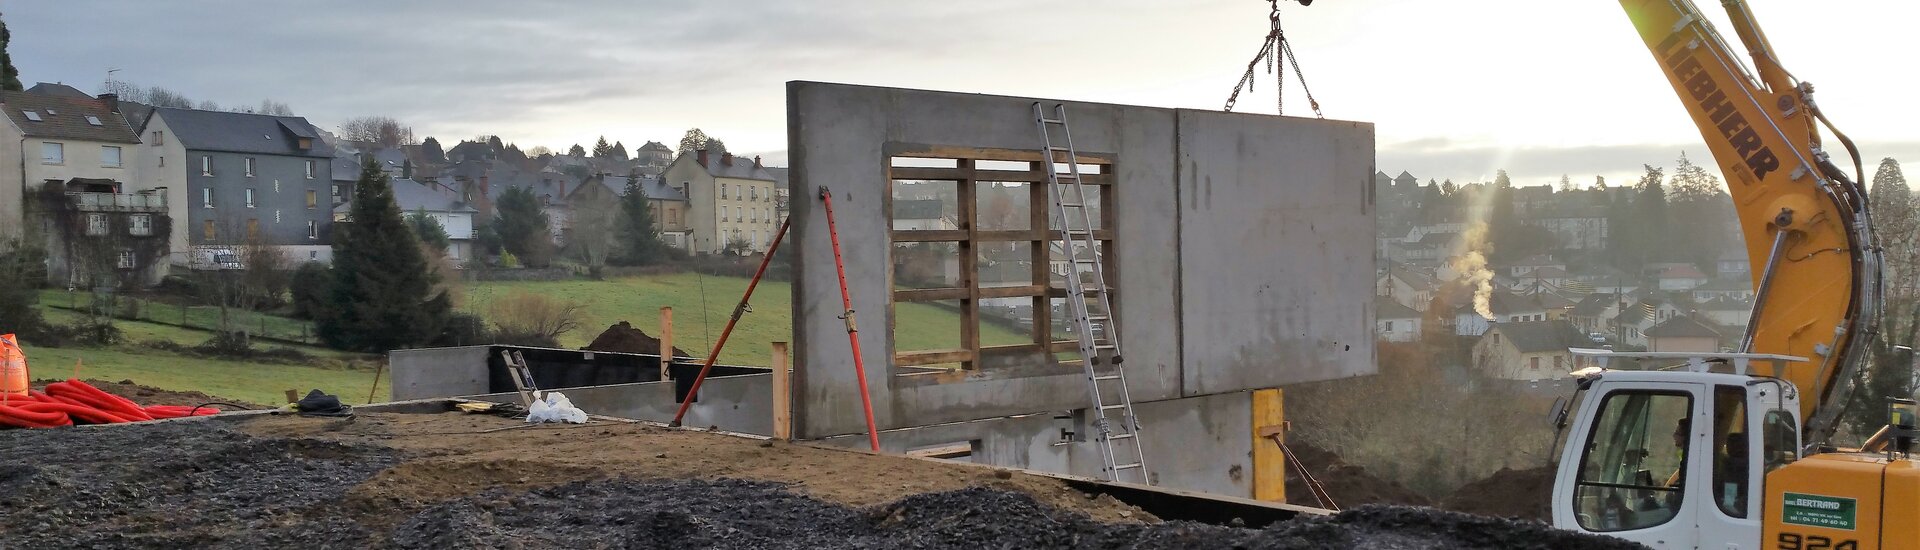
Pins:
<point x="638" y="300"/>
<point x="140" y="331"/>
<point x="253" y="382"/>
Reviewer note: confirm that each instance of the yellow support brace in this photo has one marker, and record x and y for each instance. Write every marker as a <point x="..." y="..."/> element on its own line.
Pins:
<point x="1269" y="464"/>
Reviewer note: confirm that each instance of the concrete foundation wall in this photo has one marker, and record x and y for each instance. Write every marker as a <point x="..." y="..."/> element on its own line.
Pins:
<point x="741" y="404"/>
<point x="1199" y="444"/>
<point x="1214" y="204"/>
<point x="438" y="372"/>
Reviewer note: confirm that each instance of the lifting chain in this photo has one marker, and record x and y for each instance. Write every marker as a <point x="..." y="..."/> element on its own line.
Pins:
<point x="1272" y="48"/>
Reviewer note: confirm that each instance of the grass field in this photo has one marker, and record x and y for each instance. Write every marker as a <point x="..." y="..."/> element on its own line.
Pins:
<point x="201" y="317"/>
<point x="638" y="300"/>
<point x="263" y="383"/>
<point x="139" y="331"/>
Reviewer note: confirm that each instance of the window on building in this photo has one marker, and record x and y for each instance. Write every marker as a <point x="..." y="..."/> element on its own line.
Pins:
<point x="163" y="162"/>
<point x="1533" y="363"/>
<point x="723" y="190"/>
<point x="276" y="216"/>
<point x="126" y="257"/>
<point x="1629" y="477"/>
<point x="109" y="156"/>
<point x="53" y="153"/>
<point x="96" y="224"/>
<point x="159" y="138"/>
<point x="93" y="121"/>
<point x="249" y="200"/>
<point x="309" y="169"/>
<point x="754" y="192"/>
<point x="253" y="228"/>
<point x="206" y="165"/>
<point x="249" y="166"/>
<point x="206" y="230"/>
<point x="1558" y="363"/>
<point x="313" y="229"/>
<point x="206" y="197"/>
<point x="140" y="225"/>
<point x="313" y="198"/>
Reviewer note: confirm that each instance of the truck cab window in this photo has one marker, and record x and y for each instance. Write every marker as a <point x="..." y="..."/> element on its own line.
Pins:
<point x="1730" y="453"/>
<point x="1633" y="473"/>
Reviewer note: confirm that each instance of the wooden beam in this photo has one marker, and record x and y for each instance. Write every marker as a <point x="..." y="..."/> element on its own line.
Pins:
<point x="983" y="153"/>
<point x="666" y="340"/>
<point x="929" y="294"/>
<point x="927" y="235"/>
<point x="933" y="357"/>
<point x="1012" y="291"/>
<point x="782" y="393"/>
<point x="1039" y="177"/>
<point x="924" y="173"/>
<point x="969" y="265"/>
<point x="1269" y="463"/>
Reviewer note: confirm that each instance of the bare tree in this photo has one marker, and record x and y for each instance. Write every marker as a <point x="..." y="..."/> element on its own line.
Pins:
<point x="379" y="130"/>
<point x="538" y="150"/>
<point x="275" y="108"/>
<point x="526" y="318"/>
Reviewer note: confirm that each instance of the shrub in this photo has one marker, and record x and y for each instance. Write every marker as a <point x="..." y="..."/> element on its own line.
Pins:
<point x="529" y="319"/>
<point x="464" y="329"/>
<point x="308" y="288"/>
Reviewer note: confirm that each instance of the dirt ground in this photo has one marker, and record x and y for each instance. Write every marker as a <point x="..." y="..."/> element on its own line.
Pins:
<point x="462" y="454"/>
<point x="460" y="481"/>
<point x="1507" y="493"/>
<point x="1347" y="484"/>
<point x="149" y="395"/>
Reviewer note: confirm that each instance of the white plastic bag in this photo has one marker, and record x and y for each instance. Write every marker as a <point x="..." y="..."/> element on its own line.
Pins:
<point x="555" y="407"/>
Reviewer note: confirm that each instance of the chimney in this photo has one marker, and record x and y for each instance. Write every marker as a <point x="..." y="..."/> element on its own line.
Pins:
<point x="701" y="155"/>
<point x="563" y="188"/>
<point x="756" y="160"/>
<point x="726" y="159"/>
<point x="483" y="183"/>
<point x="112" y="101"/>
<point x="406" y="169"/>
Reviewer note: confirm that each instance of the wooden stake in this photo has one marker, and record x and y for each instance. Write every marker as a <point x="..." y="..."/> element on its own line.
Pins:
<point x="666" y="340"/>
<point x="294" y="395"/>
<point x="782" y="393"/>
<point x="377" y="369"/>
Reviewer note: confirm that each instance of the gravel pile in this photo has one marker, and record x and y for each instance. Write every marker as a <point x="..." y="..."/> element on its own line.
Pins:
<point x="177" y="484"/>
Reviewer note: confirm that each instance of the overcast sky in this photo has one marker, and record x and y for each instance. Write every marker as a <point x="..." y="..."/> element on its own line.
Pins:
<point x="1456" y="89"/>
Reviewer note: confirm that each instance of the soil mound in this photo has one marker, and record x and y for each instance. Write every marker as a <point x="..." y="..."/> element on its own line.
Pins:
<point x="623" y="338"/>
<point x="1523" y="494"/>
<point x="1349" y="485"/>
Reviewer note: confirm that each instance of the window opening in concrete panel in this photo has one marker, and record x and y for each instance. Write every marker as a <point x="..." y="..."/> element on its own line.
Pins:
<point x="1004" y="205"/>
<point x="924" y="205"/>
<point x="971" y="232"/>
<point x="929" y="335"/>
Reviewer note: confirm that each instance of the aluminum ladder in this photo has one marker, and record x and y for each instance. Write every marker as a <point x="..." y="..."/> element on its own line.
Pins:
<point x="1090" y="306"/>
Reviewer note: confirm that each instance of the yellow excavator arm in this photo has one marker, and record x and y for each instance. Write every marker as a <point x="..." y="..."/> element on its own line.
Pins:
<point x="1807" y="228"/>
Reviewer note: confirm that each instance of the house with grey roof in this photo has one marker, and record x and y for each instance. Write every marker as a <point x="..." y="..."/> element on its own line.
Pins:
<point x="1394" y="322"/>
<point x="731" y="200"/>
<point x="1685" y="334"/>
<point x="238" y="177"/>
<point x="73" y="173"/>
<point x="435" y="200"/>
<point x="1531" y="350"/>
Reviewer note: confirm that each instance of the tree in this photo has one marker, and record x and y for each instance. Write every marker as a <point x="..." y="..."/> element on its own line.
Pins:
<point x="275" y="108"/>
<point x="1566" y="184"/>
<point x="1700" y="214"/>
<point x="1433" y="204"/>
<point x="162" y="97"/>
<point x="430" y="149"/>
<point x="601" y="149"/>
<point x="539" y="150"/>
<point x="522" y="226"/>
<point x="638" y="243"/>
<point x="591" y="236"/>
<point x="382" y="293"/>
<point x="619" y="151"/>
<point x="9" y="76"/>
<point x="310" y="284"/>
<point x="693" y="141"/>
<point x="377" y="130"/>
<point x="493" y="143"/>
<point x="715" y="147"/>
<point x="428" y="230"/>
<point x="1449" y="188"/>
<point x="577" y="151"/>
<point x="738" y="245"/>
<point x="208" y="105"/>
<point x="1647" y="233"/>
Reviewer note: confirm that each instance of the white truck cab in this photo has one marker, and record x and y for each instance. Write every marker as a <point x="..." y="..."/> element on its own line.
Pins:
<point x="1674" y="457"/>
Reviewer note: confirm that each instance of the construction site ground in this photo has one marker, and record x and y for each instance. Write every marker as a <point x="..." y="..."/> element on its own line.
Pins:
<point x="452" y="480"/>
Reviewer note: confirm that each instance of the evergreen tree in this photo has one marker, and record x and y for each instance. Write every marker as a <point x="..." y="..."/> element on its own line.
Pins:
<point x="1448" y="188"/>
<point x="429" y="231"/>
<point x="1895" y="213"/>
<point x="382" y="286"/>
<point x="576" y="151"/>
<point x="1700" y="214"/>
<point x="601" y="149"/>
<point x="1620" y="233"/>
<point x="9" y="76"/>
<point x="639" y="244"/>
<point x="493" y="144"/>
<point x="1566" y="184"/>
<point x="432" y="151"/>
<point x="1432" y="204"/>
<point x="522" y="225"/>
<point x="620" y="150"/>
<point x="1648" y="232"/>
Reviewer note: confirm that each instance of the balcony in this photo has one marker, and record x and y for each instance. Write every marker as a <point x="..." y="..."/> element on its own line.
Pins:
<point x="119" y="202"/>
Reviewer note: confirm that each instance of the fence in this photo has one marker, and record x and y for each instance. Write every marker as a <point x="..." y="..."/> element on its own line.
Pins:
<point x="255" y="324"/>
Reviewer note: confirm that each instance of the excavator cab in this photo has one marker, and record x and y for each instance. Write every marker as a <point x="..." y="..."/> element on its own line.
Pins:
<point x="1674" y="457"/>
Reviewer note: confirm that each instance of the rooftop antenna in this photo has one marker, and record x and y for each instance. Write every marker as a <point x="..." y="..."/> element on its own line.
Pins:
<point x="109" y="84"/>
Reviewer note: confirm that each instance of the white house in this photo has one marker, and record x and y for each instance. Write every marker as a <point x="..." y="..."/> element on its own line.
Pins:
<point x="55" y="139"/>
<point x="1681" y="277"/>
<point x="1394" y="322"/>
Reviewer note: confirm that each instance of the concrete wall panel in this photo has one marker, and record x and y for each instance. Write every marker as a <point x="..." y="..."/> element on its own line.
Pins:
<point x="1276" y="255"/>
<point x="741" y="404"/>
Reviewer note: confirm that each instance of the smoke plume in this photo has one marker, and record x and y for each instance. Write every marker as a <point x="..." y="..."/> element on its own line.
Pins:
<point x="1471" y="264"/>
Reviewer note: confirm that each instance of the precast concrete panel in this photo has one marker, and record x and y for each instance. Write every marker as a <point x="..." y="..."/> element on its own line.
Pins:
<point x="841" y="137"/>
<point x="1276" y="250"/>
<point x="741" y="403"/>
